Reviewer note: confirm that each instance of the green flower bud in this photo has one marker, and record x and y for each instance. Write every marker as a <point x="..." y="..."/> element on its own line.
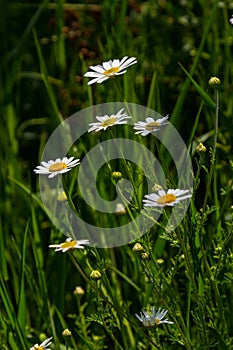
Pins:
<point x="95" y="275"/>
<point x="214" y="81"/>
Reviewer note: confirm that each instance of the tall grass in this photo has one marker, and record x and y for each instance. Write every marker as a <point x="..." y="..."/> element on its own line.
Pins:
<point x="46" y="48"/>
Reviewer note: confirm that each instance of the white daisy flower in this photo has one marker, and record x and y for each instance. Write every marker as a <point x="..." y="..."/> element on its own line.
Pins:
<point x="162" y="198"/>
<point x="59" y="166"/>
<point x="106" y="121"/>
<point x="109" y="69"/>
<point x="231" y="21"/>
<point x="145" y="128"/>
<point x="153" y="319"/>
<point x="70" y="244"/>
<point x="43" y="345"/>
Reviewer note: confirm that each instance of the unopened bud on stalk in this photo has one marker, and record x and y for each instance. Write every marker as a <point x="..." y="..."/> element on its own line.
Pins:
<point x="201" y="148"/>
<point x="120" y="209"/>
<point x="116" y="174"/>
<point x="137" y="248"/>
<point x="160" y="261"/>
<point x="145" y="256"/>
<point x="156" y="188"/>
<point x="79" y="291"/>
<point x="95" y="275"/>
<point x="66" y="333"/>
<point x="214" y="81"/>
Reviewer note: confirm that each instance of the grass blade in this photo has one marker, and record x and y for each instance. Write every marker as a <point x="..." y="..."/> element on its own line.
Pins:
<point x="21" y="315"/>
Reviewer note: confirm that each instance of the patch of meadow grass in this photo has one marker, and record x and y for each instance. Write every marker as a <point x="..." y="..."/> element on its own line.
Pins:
<point x="46" y="48"/>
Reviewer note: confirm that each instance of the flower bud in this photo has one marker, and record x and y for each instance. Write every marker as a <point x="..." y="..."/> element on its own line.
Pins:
<point x="79" y="291"/>
<point x="214" y="81"/>
<point x="137" y="248"/>
<point x="116" y="175"/>
<point x="201" y="148"/>
<point x="120" y="209"/>
<point x="160" y="261"/>
<point x="156" y="188"/>
<point x="66" y="333"/>
<point x="95" y="275"/>
<point x="145" y="256"/>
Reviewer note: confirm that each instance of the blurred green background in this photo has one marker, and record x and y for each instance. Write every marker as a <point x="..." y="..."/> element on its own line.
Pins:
<point x="46" y="47"/>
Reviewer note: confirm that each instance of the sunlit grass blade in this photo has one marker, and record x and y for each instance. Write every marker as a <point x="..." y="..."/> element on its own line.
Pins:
<point x="39" y="76"/>
<point x="13" y="343"/>
<point x="195" y="125"/>
<point x="56" y="313"/>
<point x="21" y="315"/>
<point x="7" y="303"/>
<point x="3" y="261"/>
<point x="153" y="101"/>
<point x="27" y="191"/>
<point x="199" y="89"/>
<point x="10" y="313"/>
<point x="60" y="45"/>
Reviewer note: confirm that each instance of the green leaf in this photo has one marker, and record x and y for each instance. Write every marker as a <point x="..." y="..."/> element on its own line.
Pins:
<point x="199" y="89"/>
<point x="21" y="316"/>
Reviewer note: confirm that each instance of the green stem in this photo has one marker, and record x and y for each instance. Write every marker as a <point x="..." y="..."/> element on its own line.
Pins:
<point x="213" y="155"/>
<point x="115" y="307"/>
<point x="188" y="260"/>
<point x="158" y="291"/>
<point x="204" y="251"/>
<point x="189" y="289"/>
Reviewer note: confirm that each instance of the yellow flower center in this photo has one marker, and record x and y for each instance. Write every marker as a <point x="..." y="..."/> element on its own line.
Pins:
<point x="109" y="121"/>
<point x="57" y="166"/>
<point x="112" y="71"/>
<point x="157" y="321"/>
<point x="152" y="125"/>
<point x="149" y="324"/>
<point x="39" y="347"/>
<point x="167" y="198"/>
<point x="69" y="245"/>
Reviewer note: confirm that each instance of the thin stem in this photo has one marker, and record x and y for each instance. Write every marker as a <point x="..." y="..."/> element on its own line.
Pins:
<point x="204" y="251"/>
<point x="213" y="155"/>
<point x="106" y="299"/>
<point x="159" y="292"/>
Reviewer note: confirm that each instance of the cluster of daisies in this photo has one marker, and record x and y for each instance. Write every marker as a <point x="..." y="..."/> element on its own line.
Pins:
<point x="143" y="127"/>
<point x="162" y="198"/>
<point x="100" y="73"/>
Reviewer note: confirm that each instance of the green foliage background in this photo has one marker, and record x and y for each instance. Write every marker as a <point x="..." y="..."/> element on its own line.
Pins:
<point x="46" y="47"/>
